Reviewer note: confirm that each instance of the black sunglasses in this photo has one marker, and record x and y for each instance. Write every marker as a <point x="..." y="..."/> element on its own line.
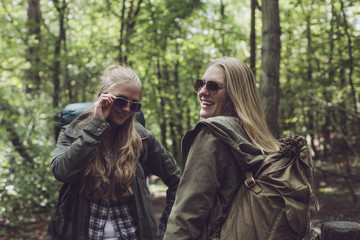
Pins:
<point x="210" y="85"/>
<point x="121" y="102"/>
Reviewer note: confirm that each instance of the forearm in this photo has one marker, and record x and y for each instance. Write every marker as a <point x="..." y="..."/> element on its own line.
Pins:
<point x="71" y="156"/>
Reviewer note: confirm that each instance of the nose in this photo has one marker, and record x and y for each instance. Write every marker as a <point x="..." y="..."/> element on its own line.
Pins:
<point x="203" y="91"/>
<point x="127" y="107"/>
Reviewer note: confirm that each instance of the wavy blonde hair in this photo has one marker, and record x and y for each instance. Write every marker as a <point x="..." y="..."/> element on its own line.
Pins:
<point x="242" y="91"/>
<point x="111" y="170"/>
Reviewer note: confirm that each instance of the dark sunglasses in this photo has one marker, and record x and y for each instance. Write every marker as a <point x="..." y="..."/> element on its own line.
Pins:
<point x="122" y="102"/>
<point x="210" y="85"/>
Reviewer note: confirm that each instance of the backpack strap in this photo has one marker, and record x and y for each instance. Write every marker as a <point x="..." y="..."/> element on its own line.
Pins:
<point x="314" y="199"/>
<point x="250" y="183"/>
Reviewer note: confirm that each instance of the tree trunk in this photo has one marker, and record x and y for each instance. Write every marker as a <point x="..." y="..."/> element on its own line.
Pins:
<point x="173" y="135"/>
<point x="254" y="3"/>
<point x="340" y="230"/>
<point x="270" y="64"/>
<point x="351" y="60"/>
<point x="14" y="136"/>
<point x="33" y="54"/>
<point x="56" y="68"/>
<point x="122" y="34"/>
<point x="161" y="111"/>
<point x="127" y="24"/>
<point x="177" y="114"/>
<point x="222" y="30"/>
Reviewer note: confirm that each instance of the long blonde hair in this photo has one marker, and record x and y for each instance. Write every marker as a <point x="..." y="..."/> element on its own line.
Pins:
<point x="242" y="91"/>
<point x="111" y="170"/>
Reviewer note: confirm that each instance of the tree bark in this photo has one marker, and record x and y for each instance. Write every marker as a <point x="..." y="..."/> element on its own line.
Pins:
<point x="177" y="114"/>
<point x="127" y="24"/>
<point x="254" y="3"/>
<point x="270" y="64"/>
<point x="161" y="111"/>
<point x="222" y="30"/>
<point x="351" y="58"/>
<point x="340" y="230"/>
<point x="56" y="67"/>
<point x="33" y="41"/>
<point x="14" y="136"/>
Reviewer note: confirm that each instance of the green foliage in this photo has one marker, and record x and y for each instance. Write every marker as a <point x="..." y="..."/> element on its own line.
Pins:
<point x="168" y="43"/>
<point x="315" y="84"/>
<point x="27" y="184"/>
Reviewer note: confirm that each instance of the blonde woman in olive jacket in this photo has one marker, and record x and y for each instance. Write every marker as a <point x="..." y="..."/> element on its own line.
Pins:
<point x="229" y="139"/>
<point x="103" y="158"/>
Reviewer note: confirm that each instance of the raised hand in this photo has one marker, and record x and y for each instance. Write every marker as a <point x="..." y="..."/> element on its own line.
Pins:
<point x="103" y="105"/>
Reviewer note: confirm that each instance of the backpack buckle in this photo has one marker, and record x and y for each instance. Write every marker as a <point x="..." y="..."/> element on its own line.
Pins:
<point x="250" y="182"/>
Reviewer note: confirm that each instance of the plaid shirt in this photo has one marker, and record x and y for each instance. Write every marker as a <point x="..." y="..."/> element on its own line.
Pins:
<point x="123" y="218"/>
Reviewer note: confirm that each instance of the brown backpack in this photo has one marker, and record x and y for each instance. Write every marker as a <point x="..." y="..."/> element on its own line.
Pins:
<point x="274" y="203"/>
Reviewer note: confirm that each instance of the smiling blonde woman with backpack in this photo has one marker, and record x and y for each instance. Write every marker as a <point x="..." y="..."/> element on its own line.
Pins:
<point x="239" y="182"/>
<point x="229" y="139"/>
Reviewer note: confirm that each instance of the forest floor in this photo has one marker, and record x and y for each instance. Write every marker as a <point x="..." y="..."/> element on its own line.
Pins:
<point x="336" y="204"/>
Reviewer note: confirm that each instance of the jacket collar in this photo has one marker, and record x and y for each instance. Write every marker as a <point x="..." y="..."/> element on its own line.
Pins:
<point x="230" y="131"/>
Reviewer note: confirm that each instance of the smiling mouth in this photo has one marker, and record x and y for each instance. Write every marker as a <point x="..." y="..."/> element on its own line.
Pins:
<point x="121" y="114"/>
<point x="207" y="103"/>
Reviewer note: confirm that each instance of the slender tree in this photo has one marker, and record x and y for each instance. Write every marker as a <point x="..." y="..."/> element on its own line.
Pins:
<point x="128" y="19"/>
<point x="61" y="7"/>
<point x="254" y="5"/>
<point x="270" y="63"/>
<point x="351" y="58"/>
<point x="33" y="42"/>
<point x="222" y="30"/>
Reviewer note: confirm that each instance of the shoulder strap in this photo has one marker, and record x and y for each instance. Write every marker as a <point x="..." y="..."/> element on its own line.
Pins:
<point x="250" y="182"/>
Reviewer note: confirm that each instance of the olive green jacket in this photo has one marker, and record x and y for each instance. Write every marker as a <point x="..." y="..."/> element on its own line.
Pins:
<point x="214" y="154"/>
<point x="70" y="157"/>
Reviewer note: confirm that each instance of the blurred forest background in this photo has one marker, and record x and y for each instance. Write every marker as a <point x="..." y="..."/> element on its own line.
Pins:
<point x="304" y="53"/>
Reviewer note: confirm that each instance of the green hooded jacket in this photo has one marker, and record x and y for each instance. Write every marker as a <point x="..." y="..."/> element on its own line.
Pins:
<point x="214" y="154"/>
<point x="70" y="157"/>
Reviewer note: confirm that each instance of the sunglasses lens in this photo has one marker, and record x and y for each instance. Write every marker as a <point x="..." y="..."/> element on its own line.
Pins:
<point x="213" y="86"/>
<point x="120" y="102"/>
<point x="199" y="83"/>
<point x="210" y="85"/>
<point x="135" y="107"/>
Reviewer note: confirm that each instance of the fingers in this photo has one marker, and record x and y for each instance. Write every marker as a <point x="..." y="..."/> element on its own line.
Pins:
<point x="106" y="100"/>
<point x="103" y="105"/>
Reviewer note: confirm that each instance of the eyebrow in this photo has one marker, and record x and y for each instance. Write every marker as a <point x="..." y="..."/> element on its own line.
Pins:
<point x="211" y="79"/>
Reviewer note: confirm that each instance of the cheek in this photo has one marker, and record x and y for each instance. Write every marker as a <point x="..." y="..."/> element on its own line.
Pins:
<point x="224" y="104"/>
<point x="112" y="112"/>
<point x="111" y="117"/>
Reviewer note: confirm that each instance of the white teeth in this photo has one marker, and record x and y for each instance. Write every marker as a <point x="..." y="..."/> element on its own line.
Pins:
<point x="207" y="103"/>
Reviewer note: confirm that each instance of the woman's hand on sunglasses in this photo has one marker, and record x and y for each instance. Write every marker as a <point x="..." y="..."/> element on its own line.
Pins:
<point x="103" y="105"/>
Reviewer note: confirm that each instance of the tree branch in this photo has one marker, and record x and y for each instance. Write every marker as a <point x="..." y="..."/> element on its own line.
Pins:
<point x="9" y="126"/>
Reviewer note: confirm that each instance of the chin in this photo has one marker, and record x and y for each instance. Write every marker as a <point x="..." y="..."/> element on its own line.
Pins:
<point x="118" y="121"/>
<point x="204" y="114"/>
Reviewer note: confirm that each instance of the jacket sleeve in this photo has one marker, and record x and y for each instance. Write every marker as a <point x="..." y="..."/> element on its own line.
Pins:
<point x="160" y="163"/>
<point x="72" y="153"/>
<point x="197" y="191"/>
